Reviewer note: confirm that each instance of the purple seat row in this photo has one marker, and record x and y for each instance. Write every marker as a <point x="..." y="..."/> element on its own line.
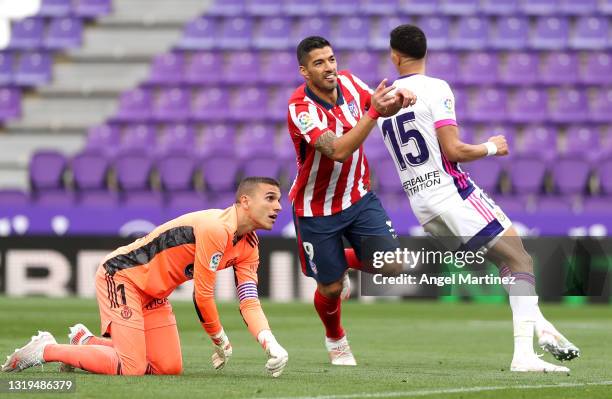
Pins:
<point x="56" y="33"/>
<point x="79" y="8"/>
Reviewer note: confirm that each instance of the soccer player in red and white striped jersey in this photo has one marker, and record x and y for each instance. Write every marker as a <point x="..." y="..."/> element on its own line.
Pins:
<point x="329" y="117"/>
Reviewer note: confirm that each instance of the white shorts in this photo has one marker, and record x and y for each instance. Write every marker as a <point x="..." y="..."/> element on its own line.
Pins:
<point x="471" y="223"/>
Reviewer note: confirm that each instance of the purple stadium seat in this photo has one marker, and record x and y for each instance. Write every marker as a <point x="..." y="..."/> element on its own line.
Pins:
<point x="177" y="139"/>
<point x="260" y="166"/>
<point x="478" y="67"/>
<point x="246" y="104"/>
<point x="520" y="68"/>
<point x="528" y="105"/>
<point x="460" y="7"/>
<point x="64" y="33"/>
<point x="570" y="174"/>
<point x="186" y="201"/>
<point x="264" y="7"/>
<point x="89" y="171"/>
<point x="462" y="99"/>
<point x="47" y="170"/>
<point x="554" y="204"/>
<point x="581" y="141"/>
<point x="139" y="137"/>
<point x="509" y="131"/>
<point x="134" y="105"/>
<point x="172" y="105"/>
<point x="467" y="132"/>
<point x="55" y="198"/>
<point x="203" y="68"/>
<point x="443" y="65"/>
<point x="285" y="149"/>
<point x="279" y="67"/>
<point x="539" y="7"/>
<point x="559" y="67"/>
<point x="339" y="7"/>
<point x="485" y="173"/>
<point x="228" y="8"/>
<point x="488" y="104"/>
<point x="10" y="197"/>
<point x="98" y="199"/>
<point x="363" y="64"/>
<point x="386" y="173"/>
<point x="351" y="33"/>
<point x="305" y="27"/>
<point x="167" y="69"/>
<point x="499" y="7"/>
<point x="143" y="199"/>
<point x="220" y="173"/>
<point x="604" y="171"/>
<point x="600" y="105"/>
<point x="510" y="204"/>
<point x="379" y="7"/>
<point x="210" y="104"/>
<point x="219" y="139"/>
<point x="277" y="104"/>
<point x="511" y="33"/>
<point x="10" y="103"/>
<point x="176" y="173"/>
<point x="471" y="33"/>
<point x="199" y="34"/>
<point x="133" y="171"/>
<point x="597" y="204"/>
<point x="582" y="7"/>
<point x="550" y="33"/>
<point x="590" y="33"/>
<point x="596" y="68"/>
<point x="303" y="8"/>
<point x="379" y="38"/>
<point x="7" y="67"/>
<point x="420" y="7"/>
<point x="27" y="33"/>
<point x="569" y="105"/>
<point x="33" y="69"/>
<point x="273" y="34"/>
<point x="437" y="30"/>
<point x="241" y="67"/>
<point x="538" y="140"/>
<point x="375" y="148"/>
<point x="527" y="174"/>
<point x="55" y="8"/>
<point x="256" y="140"/>
<point x="236" y="33"/>
<point x="92" y="8"/>
<point x="102" y="138"/>
<point x="220" y="200"/>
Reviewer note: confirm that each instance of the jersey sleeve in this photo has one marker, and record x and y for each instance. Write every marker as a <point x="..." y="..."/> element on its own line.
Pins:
<point x="246" y="280"/>
<point x="443" y="105"/>
<point x="210" y="244"/>
<point x="306" y="121"/>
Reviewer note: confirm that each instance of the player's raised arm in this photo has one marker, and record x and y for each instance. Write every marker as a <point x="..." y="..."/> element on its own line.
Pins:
<point x="210" y="245"/>
<point x="457" y="151"/>
<point x="253" y="315"/>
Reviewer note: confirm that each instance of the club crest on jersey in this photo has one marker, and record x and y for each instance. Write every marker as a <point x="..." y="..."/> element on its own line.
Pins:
<point x="215" y="260"/>
<point x="305" y="121"/>
<point x="126" y="312"/>
<point x="352" y="106"/>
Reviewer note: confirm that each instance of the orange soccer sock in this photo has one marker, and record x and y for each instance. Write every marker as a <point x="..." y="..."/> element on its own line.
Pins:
<point x="99" y="341"/>
<point x="98" y="359"/>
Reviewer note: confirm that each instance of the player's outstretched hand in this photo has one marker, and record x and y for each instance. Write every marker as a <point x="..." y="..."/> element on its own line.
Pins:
<point x="500" y="143"/>
<point x="277" y="355"/>
<point x="405" y="97"/>
<point x="222" y="350"/>
<point x="387" y="101"/>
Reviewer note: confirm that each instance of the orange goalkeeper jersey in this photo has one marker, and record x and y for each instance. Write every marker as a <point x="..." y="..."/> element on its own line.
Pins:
<point x="195" y="246"/>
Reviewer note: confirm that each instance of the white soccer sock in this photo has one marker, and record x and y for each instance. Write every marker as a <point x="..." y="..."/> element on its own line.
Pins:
<point x="524" y="304"/>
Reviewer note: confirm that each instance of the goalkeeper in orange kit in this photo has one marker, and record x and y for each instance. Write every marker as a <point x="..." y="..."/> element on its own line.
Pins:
<point x="139" y="333"/>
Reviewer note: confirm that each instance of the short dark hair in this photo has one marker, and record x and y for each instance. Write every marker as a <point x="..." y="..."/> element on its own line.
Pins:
<point x="308" y="44"/>
<point x="409" y="40"/>
<point x="248" y="184"/>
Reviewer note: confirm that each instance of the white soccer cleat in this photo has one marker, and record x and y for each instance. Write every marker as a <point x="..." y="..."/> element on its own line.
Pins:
<point x="78" y="334"/>
<point x="30" y="355"/>
<point x="346" y="288"/>
<point x="340" y="352"/>
<point x="535" y="364"/>
<point x="553" y="342"/>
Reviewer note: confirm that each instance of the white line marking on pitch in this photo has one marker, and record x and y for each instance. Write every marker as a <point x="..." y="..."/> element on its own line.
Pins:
<point x="442" y="391"/>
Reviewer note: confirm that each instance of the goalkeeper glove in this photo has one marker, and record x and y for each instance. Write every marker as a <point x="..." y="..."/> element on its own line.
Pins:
<point x="222" y="350"/>
<point x="277" y="355"/>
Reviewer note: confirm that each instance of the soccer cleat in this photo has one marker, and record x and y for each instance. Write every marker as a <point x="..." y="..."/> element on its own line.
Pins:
<point x="78" y="334"/>
<point x="557" y="345"/>
<point x="346" y="287"/>
<point x="340" y="352"/>
<point x="535" y="364"/>
<point x="30" y="355"/>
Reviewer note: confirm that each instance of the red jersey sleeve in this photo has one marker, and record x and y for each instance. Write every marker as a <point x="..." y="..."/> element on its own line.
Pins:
<point x="306" y="120"/>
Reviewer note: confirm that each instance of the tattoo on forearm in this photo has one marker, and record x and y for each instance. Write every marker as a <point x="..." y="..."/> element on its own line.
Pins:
<point x="325" y="143"/>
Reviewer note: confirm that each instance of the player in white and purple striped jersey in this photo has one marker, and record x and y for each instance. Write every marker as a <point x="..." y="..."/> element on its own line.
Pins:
<point x="424" y="142"/>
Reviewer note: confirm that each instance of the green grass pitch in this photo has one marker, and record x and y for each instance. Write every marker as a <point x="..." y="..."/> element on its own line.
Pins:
<point x="404" y="349"/>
